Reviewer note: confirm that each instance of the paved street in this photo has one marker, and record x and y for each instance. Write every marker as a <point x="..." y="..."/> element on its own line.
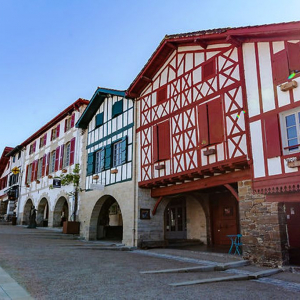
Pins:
<point x="50" y="265"/>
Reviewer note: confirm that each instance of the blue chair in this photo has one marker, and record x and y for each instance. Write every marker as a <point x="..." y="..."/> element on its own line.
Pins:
<point x="235" y="242"/>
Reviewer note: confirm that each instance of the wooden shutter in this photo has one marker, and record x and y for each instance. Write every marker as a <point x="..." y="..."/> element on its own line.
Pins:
<point x="33" y="147"/>
<point x="57" y="158"/>
<point x="72" y="151"/>
<point x="280" y="67"/>
<point x="72" y="120"/>
<point x="293" y="51"/>
<point x="45" y="139"/>
<point x="117" y="108"/>
<point x="124" y="150"/>
<point x="203" y="125"/>
<point x="272" y="136"/>
<point x="57" y="130"/>
<point x="155" y="143"/>
<point x="209" y="69"/>
<point x="107" y="163"/>
<point x="61" y="156"/>
<point x="48" y="164"/>
<point x="66" y="124"/>
<point x="26" y="176"/>
<point x="215" y="121"/>
<point x="34" y="170"/>
<point x="44" y="165"/>
<point x="164" y="140"/>
<point x="162" y="94"/>
<point x="90" y="164"/>
<point x="99" y="119"/>
<point x="102" y="158"/>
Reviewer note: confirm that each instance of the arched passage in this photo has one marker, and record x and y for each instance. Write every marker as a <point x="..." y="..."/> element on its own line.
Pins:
<point x="42" y="213"/>
<point x="61" y="212"/>
<point x="26" y="212"/>
<point x="106" y="220"/>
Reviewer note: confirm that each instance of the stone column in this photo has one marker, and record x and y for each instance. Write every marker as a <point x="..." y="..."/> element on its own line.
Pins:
<point x="263" y="226"/>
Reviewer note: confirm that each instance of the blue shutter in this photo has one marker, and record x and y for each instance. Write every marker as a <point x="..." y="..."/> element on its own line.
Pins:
<point x="90" y="164"/>
<point x="99" y="119"/>
<point x="124" y="150"/>
<point x="107" y="158"/>
<point x="117" y="108"/>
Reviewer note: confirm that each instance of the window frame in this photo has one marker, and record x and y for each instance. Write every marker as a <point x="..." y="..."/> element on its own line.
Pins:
<point x="40" y="168"/>
<point x="67" y="155"/>
<point x="283" y="130"/>
<point x="99" y="160"/>
<point x="52" y="161"/>
<point x="117" y="153"/>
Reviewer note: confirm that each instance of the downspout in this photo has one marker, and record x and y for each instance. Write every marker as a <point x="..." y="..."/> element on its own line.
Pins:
<point x="134" y="230"/>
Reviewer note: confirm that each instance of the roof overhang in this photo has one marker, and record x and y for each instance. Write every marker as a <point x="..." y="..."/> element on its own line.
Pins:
<point x="95" y="102"/>
<point x="234" y="36"/>
<point x="4" y="159"/>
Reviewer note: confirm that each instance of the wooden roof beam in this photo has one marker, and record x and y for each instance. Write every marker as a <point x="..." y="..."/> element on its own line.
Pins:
<point x="171" y="45"/>
<point x="201" y="43"/>
<point x="233" y="41"/>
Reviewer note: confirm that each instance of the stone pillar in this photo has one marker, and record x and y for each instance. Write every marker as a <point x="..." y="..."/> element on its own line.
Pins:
<point x="263" y="226"/>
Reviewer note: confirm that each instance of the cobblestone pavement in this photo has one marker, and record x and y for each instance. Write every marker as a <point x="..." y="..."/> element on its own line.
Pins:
<point x="50" y="265"/>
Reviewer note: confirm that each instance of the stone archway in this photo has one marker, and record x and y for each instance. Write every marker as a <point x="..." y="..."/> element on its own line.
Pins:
<point x="26" y="212"/>
<point x="61" y="212"/>
<point x="43" y="213"/>
<point x="106" y="220"/>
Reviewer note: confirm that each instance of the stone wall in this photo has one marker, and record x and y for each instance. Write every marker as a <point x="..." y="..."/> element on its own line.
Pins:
<point x="263" y="226"/>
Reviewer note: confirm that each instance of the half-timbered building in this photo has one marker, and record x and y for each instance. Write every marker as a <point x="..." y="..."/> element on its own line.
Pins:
<point x="108" y="204"/>
<point x="202" y="99"/>
<point x="51" y="151"/>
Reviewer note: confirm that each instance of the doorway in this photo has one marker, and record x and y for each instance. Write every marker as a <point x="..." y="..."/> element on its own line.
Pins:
<point x="175" y="220"/>
<point x="224" y="212"/>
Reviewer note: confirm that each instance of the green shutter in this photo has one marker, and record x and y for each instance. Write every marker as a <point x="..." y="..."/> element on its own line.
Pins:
<point x="90" y="164"/>
<point x="107" y="159"/>
<point x="117" y="108"/>
<point x="102" y="159"/>
<point x="124" y="150"/>
<point x="99" y="119"/>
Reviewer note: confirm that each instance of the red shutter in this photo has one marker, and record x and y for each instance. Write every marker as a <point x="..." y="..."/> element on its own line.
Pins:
<point x="280" y="67"/>
<point x="293" y="51"/>
<point x="61" y="156"/>
<point x="272" y="136"/>
<point x="26" y="176"/>
<point x="57" y="130"/>
<point x="155" y="143"/>
<point x="33" y="171"/>
<point x="73" y="121"/>
<point x="45" y="139"/>
<point x="203" y="125"/>
<point x="33" y="147"/>
<point x="48" y="164"/>
<point x="164" y="140"/>
<point x="44" y="165"/>
<point x="57" y="158"/>
<point x="72" y="151"/>
<point x="66" y="122"/>
<point x="215" y="121"/>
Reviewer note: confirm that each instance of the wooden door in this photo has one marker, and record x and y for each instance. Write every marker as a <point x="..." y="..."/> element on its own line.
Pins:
<point x="224" y="212"/>
<point x="293" y="223"/>
<point x="175" y="220"/>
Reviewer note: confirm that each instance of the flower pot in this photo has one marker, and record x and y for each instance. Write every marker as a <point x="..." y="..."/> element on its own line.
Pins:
<point x="50" y="176"/>
<point x="114" y="171"/>
<point x="37" y="181"/>
<point x="64" y="170"/>
<point x="96" y="177"/>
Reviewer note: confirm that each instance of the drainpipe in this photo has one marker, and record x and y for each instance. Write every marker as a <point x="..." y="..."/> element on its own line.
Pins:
<point x="134" y="175"/>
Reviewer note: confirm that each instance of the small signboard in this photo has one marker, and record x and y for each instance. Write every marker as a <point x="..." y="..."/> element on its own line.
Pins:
<point x="56" y="183"/>
<point x="98" y="187"/>
<point x="15" y="170"/>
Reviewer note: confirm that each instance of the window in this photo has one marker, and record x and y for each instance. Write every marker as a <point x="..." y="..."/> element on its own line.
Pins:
<point x="40" y="168"/>
<point x="162" y="94"/>
<point x="290" y="130"/>
<point x="43" y="140"/>
<point x="13" y="179"/>
<point x="210" y="120"/>
<point x="55" y="132"/>
<point x="161" y="141"/>
<point x="14" y="158"/>
<point x="52" y="162"/>
<point x="286" y="62"/>
<point x="117" y="154"/>
<point x="99" y="164"/>
<point x="66" y="156"/>
<point x="69" y="122"/>
<point x="117" y="108"/>
<point x="29" y="174"/>
<point x="32" y="148"/>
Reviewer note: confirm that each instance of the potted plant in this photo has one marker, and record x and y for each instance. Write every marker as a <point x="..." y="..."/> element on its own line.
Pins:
<point x="50" y="176"/>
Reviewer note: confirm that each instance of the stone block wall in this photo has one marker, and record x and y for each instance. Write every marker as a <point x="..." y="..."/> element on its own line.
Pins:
<point x="263" y="226"/>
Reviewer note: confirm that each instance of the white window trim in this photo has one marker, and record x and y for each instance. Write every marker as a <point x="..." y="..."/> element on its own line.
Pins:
<point x="117" y="154"/>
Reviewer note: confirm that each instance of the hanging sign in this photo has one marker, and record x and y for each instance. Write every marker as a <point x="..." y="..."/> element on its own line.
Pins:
<point x="56" y="183"/>
<point x="15" y="170"/>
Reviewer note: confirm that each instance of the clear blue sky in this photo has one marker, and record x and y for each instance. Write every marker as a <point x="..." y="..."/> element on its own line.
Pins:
<point x="53" y="52"/>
